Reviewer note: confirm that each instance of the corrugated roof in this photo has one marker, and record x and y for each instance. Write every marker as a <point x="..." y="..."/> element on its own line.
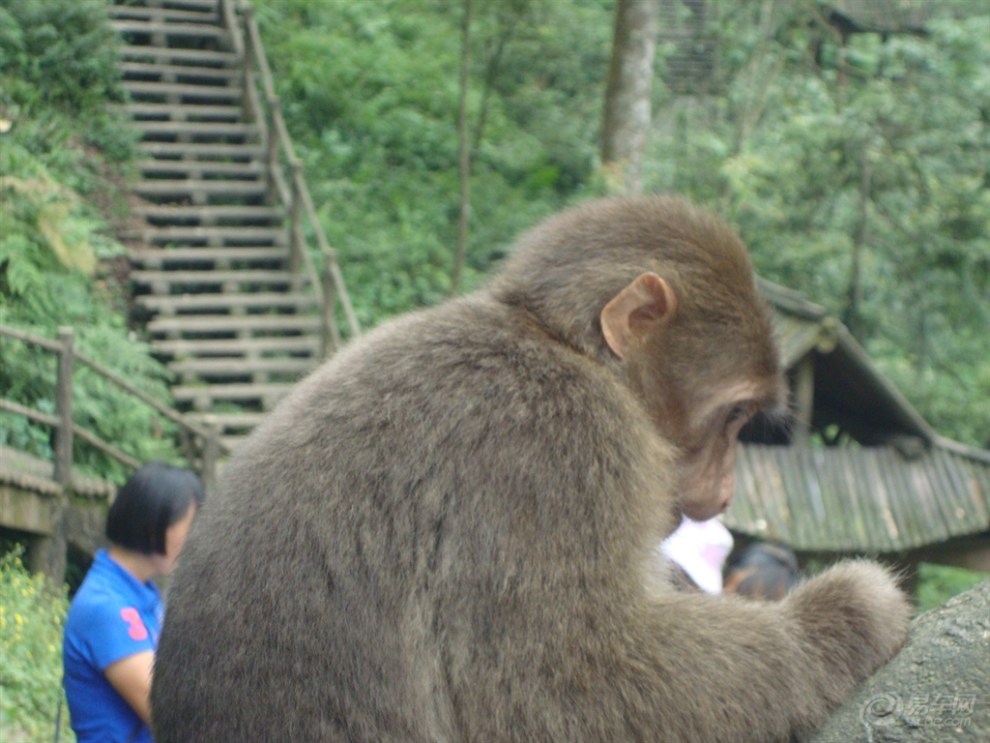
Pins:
<point x="860" y="499"/>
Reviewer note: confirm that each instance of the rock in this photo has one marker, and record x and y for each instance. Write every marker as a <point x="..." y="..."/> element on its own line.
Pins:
<point x="936" y="690"/>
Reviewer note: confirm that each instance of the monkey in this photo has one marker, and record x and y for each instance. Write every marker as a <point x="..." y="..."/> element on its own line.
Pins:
<point x="443" y="533"/>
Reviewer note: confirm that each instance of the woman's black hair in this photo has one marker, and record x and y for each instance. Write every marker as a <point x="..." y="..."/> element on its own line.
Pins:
<point x="764" y="570"/>
<point x="154" y="498"/>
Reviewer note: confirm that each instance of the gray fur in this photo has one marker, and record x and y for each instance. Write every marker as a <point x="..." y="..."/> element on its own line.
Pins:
<point x="442" y="535"/>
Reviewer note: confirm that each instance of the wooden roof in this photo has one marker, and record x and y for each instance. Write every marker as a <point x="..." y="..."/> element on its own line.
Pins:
<point x="863" y="499"/>
<point x="897" y="486"/>
<point x="26" y="472"/>
<point x="879" y="16"/>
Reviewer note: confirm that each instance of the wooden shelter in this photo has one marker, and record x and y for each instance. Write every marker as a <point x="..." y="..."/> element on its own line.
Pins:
<point x="858" y="471"/>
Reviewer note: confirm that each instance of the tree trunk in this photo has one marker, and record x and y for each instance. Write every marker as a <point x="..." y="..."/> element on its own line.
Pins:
<point x="854" y="301"/>
<point x="935" y="689"/>
<point x="465" y="152"/>
<point x="627" y="97"/>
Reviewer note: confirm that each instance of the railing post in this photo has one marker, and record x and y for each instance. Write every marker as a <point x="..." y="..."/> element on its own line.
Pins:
<point x="271" y="147"/>
<point x="211" y="454"/>
<point x="329" y="335"/>
<point x="248" y="61"/>
<point x="51" y="551"/>
<point x="804" y="401"/>
<point x="295" y="232"/>
<point x="63" y="409"/>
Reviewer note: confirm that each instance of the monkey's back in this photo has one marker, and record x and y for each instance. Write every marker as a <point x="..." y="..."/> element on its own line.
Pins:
<point x="405" y="539"/>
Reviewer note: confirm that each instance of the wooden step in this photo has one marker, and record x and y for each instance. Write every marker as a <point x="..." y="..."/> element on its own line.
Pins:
<point x="235" y="324"/>
<point x="142" y="112"/>
<point x="163" y="215"/>
<point x="295" y="367"/>
<point x="254" y="278"/>
<point x="233" y="427"/>
<point x="202" y="152"/>
<point x="245" y="237"/>
<point x="161" y="14"/>
<point x="201" y="5"/>
<point x="240" y="348"/>
<point x="198" y="132"/>
<point x="140" y="89"/>
<point x="219" y="302"/>
<point x="169" y="30"/>
<point x="151" y="71"/>
<point x="203" y="397"/>
<point x="199" y="128"/>
<point x="210" y="257"/>
<point x="187" y="188"/>
<point x="208" y="215"/>
<point x="200" y="57"/>
<point x="197" y="169"/>
<point x="242" y="421"/>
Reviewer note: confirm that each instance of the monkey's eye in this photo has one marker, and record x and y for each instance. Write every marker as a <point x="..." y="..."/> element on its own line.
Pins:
<point x="740" y="413"/>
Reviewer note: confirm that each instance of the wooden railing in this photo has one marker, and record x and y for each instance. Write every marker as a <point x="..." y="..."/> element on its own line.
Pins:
<point x="202" y="446"/>
<point x="263" y="107"/>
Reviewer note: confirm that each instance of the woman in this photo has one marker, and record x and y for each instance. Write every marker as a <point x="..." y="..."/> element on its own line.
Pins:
<point x="113" y="624"/>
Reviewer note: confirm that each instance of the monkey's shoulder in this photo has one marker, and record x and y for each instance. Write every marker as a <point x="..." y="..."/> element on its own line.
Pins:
<point x="469" y="364"/>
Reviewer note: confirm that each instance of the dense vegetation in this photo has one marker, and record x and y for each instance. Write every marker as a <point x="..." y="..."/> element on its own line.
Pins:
<point x="370" y="92"/>
<point x="58" y="190"/>
<point x="858" y="173"/>
<point x="32" y="614"/>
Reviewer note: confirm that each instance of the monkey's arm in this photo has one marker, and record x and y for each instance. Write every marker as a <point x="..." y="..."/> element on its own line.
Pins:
<point x="737" y="670"/>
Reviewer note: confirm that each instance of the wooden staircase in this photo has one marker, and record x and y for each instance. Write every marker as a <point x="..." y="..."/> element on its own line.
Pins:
<point x="219" y="262"/>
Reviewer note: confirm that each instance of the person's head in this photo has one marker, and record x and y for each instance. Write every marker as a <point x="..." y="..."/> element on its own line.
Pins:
<point x="762" y="571"/>
<point x="153" y="511"/>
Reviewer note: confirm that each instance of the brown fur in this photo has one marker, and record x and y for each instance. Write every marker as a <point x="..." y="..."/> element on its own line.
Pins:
<point x="442" y="534"/>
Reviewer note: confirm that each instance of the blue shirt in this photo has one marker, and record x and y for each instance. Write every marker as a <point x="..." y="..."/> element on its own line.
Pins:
<point x="112" y="616"/>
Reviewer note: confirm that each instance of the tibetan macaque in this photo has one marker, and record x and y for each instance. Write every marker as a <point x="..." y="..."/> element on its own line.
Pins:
<point x="445" y="533"/>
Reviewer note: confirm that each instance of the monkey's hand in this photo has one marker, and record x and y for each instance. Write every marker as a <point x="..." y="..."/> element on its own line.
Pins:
<point x="854" y="619"/>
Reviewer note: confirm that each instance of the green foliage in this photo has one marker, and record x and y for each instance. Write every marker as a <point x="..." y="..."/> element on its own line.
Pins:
<point x="32" y="615"/>
<point x="938" y="583"/>
<point x="370" y="94"/>
<point x="814" y="152"/>
<point x="59" y="58"/>
<point x="56" y="252"/>
<point x="878" y="149"/>
<point x="62" y="53"/>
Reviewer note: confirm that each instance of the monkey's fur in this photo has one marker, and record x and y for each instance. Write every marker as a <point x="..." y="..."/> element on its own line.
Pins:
<point x="443" y="533"/>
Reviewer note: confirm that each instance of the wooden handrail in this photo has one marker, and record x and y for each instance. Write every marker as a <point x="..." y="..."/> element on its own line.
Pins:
<point x="173" y="415"/>
<point x="247" y="42"/>
<point x="35" y="340"/>
<point x="54" y="422"/>
<point x="37" y="416"/>
<point x="65" y="428"/>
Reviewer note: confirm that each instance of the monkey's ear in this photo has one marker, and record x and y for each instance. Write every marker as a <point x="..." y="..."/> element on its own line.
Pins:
<point x="630" y="314"/>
